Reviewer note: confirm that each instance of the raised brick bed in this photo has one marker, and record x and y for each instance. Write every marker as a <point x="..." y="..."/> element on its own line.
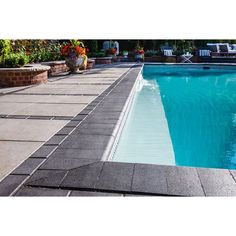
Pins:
<point x="103" y="60"/>
<point x="28" y="75"/>
<point x="56" y="67"/>
<point x="90" y="64"/>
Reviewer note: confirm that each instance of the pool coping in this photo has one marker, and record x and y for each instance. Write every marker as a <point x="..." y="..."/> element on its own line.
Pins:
<point x="93" y="173"/>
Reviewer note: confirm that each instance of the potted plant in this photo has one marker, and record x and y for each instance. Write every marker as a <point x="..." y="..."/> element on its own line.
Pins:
<point x="75" y="55"/>
<point x="138" y="53"/>
<point x="111" y="52"/>
<point x="125" y="53"/>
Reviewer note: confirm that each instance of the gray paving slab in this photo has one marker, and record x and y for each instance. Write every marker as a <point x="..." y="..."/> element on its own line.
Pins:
<point x="29" y="130"/>
<point x="13" y="153"/>
<point x="41" y="192"/>
<point x="87" y="142"/>
<point x="48" y="109"/>
<point x="66" y="163"/>
<point x="76" y="153"/>
<point x="46" y="178"/>
<point x="116" y="177"/>
<point x="20" y="98"/>
<point x="183" y="181"/>
<point x="28" y="166"/>
<point x="59" y="99"/>
<point x="13" y="89"/>
<point x="42" y="90"/>
<point x="11" y="108"/>
<point x="217" y="182"/>
<point x="90" y="128"/>
<point x="84" y="177"/>
<point x="10" y="183"/>
<point x="77" y="193"/>
<point x="85" y="89"/>
<point x="150" y="179"/>
<point x="43" y="152"/>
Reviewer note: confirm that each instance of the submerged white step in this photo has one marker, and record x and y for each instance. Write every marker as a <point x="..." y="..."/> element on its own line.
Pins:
<point x="145" y="137"/>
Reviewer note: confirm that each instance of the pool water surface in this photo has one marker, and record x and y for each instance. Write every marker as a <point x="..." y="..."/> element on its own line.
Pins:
<point x="183" y="116"/>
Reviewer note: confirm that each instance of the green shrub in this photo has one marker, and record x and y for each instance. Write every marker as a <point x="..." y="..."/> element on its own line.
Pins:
<point x="150" y="53"/>
<point x="97" y="54"/>
<point x="14" y="60"/>
<point x="5" y="49"/>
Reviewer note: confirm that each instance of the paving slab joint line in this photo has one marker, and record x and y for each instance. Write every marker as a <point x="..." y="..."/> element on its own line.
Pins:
<point x="200" y="182"/>
<point x="232" y="176"/>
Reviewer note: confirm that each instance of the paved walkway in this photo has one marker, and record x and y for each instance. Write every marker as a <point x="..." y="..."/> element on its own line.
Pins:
<point x="30" y="116"/>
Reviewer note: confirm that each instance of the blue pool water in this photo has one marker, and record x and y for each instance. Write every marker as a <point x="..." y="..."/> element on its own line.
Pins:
<point x="184" y="116"/>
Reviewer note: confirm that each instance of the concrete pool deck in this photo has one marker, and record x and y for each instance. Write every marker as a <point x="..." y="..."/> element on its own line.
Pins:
<point x="71" y="160"/>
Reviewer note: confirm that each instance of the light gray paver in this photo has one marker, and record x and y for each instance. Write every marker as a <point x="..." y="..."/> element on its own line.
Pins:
<point x="13" y="153"/>
<point x="29" y="130"/>
<point x="9" y="109"/>
<point x="51" y="110"/>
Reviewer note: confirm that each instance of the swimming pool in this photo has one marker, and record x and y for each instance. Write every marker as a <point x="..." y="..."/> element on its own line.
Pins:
<point x="183" y="116"/>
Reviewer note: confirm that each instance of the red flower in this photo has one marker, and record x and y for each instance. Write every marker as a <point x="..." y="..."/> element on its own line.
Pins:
<point x="27" y="53"/>
<point x="87" y="49"/>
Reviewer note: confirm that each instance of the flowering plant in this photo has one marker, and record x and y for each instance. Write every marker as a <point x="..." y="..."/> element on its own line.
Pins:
<point x="74" y="47"/>
<point x="111" y="51"/>
<point x="139" y="50"/>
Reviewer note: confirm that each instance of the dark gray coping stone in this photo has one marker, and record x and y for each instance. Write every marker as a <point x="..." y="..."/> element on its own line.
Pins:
<point x="65" y="163"/>
<point x="76" y="193"/>
<point x="65" y="131"/>
<point x="85" y="111"/>
<point x="28" y="166"/>
<point x="87" y="141"/>
<point x="9" y="184"/>
<point x="40" y="192"/>
<point x="79" y="117"/>
<point x="217" y="182"/>
<point x="84" y="177"/>
<point x="94" y="128"/>
<point x="116" y="176"/>
<point x="149" y="179"/>
<point x="56" y="140"/>
<point x="46" y="178"/>
<point x="44" y="151"/>
<point x="73" y="123"/>
<point x="183" y="181"/>
<point x="75" y="153"/>
<point x="105" y="117"/>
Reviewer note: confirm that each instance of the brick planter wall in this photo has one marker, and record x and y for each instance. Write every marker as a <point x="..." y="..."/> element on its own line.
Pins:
<point x="56" y="67"/>
<point x="103" y="60"/>
<point x="36" y="74"/>
<point x="90" y="64"/>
